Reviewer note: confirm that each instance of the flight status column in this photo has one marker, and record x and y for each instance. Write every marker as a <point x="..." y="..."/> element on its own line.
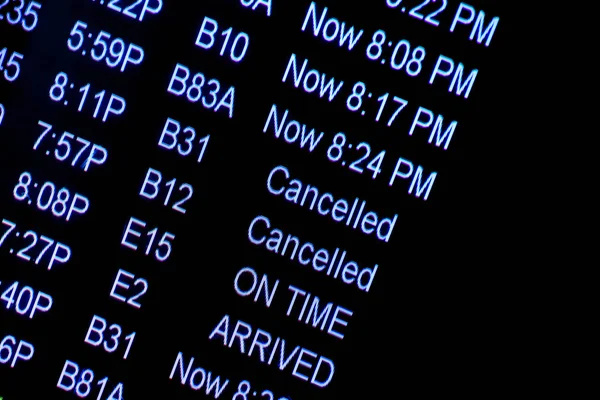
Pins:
<point x="217" y="200"/>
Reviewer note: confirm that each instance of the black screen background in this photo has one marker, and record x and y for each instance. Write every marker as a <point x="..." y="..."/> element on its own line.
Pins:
<point x="433" y="321"/>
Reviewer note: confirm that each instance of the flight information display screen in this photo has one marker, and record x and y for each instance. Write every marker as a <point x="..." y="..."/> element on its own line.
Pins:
<point x="247" y="199"/>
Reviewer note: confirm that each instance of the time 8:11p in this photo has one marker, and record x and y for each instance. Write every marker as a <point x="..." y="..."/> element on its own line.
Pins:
<point x="61" y="92"/>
